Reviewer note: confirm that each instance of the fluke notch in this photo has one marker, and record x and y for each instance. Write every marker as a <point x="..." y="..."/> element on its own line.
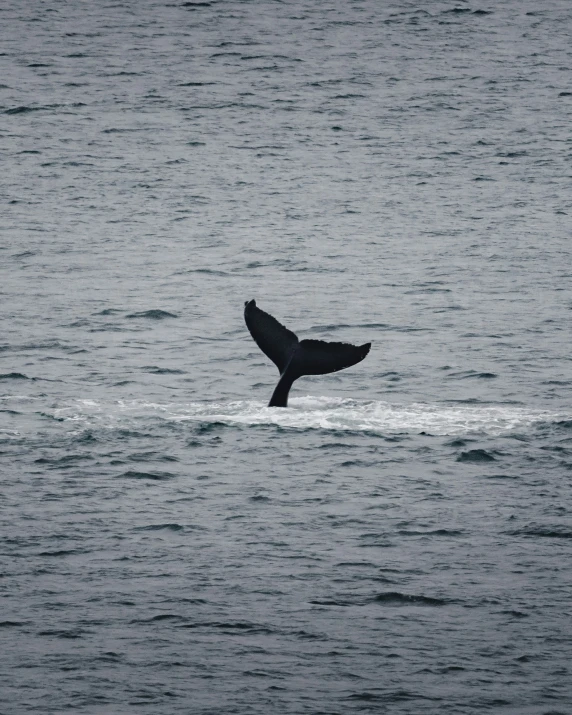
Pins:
<point x="294" y="357"/>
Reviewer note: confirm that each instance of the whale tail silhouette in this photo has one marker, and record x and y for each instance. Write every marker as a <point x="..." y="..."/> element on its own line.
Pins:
<point x="294" y="357"/>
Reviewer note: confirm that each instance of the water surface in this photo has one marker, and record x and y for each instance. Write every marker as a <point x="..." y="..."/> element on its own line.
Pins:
<point x="397" y="540"/>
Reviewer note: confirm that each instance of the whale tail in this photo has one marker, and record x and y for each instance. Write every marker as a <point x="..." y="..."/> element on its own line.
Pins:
<point x="294" y="357"/>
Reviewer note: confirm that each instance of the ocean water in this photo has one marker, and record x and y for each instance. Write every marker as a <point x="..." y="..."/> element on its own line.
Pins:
<point x="398" y="540"/>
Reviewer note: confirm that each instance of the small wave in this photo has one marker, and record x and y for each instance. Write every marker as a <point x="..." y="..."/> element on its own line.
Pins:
<point x="110" y="657"/>
<point x="208" y="272"/>
<point x="160" y="527"/>
<point x="21" y="110"/>
<point x="69" y="459"/>
<point x="154" y="476"/>
<point x="322" y="413"/>
<point x="390" y="598"/>
<point x="25" y="109"/>
<point x="515" y="614"/>
<point x="24" y="254"/>
<point x="475" y="455"/>
<point x="543" y="531"/>
<point x="42" y="345"/>
<point x="155" y="370"/>
<point x="71" y="634"/>
<point x="158" y="619"/>
<point x="433" y="532"/>
<point x="244" y="627"/>
<point x="108" y="311"/>
<point x="394" y="696"/>
<point x="394" y="598"/>
<point x="471" y="374"/>
<point x="14" y="376"/>
<point x="153" y="314"/>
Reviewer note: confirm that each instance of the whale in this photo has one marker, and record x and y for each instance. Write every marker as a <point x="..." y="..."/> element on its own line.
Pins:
<point x="295" y="358"/>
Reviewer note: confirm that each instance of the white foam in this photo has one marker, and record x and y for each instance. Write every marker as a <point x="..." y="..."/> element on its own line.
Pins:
<point x="7" y="433"/>
<point x="319" y="413"/>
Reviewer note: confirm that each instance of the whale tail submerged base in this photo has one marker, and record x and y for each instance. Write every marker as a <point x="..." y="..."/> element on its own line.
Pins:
<point x="295" y="358"/>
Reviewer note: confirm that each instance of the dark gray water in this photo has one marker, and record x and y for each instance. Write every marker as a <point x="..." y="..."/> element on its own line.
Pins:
<point x="398" y="540"/>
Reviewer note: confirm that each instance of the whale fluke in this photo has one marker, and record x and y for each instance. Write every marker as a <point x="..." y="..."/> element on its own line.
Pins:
<point x="294" y="357"/>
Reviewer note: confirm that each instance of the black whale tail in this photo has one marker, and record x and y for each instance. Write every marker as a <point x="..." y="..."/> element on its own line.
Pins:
<point x="294" y="357"/>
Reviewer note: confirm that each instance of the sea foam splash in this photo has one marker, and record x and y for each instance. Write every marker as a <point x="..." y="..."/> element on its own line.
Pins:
<point x="327" y="413"/>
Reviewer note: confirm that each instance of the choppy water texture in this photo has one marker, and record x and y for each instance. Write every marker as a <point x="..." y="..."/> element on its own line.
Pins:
<point x="398" y="540"/>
